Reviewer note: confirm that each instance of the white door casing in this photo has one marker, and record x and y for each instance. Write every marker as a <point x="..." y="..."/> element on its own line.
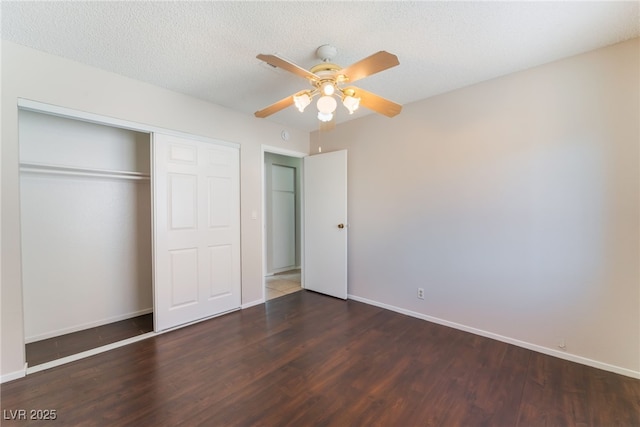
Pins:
<point x="196" y="229"/>
<point x="325" y="223"/>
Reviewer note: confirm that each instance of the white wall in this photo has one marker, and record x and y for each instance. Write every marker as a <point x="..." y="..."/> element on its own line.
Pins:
<point x="86" y="238"/>
<point x="37" y="76"/>
<point x="514" y="203"/>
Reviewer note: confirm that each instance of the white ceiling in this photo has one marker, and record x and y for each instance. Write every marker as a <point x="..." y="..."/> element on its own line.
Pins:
<point x="208" y="49"/>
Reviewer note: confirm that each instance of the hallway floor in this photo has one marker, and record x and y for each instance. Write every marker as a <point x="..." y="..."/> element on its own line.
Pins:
<point x="281" y="284"/>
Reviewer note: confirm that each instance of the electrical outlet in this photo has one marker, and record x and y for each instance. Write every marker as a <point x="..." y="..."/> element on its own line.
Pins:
<point x="420" y="293"/>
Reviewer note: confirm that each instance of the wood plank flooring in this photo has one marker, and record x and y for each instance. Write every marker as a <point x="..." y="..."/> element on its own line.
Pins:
<point x="309" y="360"/>
<point x="65" y="345"/>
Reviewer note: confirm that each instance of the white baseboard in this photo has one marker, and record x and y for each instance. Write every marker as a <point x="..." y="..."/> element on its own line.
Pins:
<point x="14" y="375"/>
<point x="82" y="327"/>
<point x="534" y="347"/>
<point x="252" y="303"/>
<point x="283" y="270"/>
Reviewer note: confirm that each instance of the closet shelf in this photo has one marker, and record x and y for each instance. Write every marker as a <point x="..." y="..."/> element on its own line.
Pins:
<point x="42" y="168"/>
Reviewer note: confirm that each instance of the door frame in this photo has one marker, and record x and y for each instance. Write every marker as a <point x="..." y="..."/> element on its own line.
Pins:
<point x="290" y="153"/>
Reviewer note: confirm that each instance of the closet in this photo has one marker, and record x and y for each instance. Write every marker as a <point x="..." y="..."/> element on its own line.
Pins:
<point x="119" y="220"/>
<point x="85" y="222"/>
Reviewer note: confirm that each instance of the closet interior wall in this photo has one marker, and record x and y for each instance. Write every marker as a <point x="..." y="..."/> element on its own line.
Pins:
<point x="85" y="223"/>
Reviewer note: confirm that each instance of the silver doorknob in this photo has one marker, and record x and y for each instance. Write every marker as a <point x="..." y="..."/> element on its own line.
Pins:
<point x="340" y="225"/>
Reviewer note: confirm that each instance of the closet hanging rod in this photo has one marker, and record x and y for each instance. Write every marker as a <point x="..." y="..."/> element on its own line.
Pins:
<point x="41" y="168"/>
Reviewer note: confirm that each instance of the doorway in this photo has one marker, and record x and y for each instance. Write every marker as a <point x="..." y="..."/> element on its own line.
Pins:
<point x="282" y="177"/>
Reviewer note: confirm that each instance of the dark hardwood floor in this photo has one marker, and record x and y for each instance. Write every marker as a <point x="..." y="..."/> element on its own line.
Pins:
<point x="309" y="360"/>
<point x="65" y="345"/>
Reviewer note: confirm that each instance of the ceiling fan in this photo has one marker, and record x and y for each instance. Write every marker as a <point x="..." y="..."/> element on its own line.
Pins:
<point x="328" y="79"/>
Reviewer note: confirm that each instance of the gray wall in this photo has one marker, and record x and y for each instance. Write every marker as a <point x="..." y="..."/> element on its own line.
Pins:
<point x="514" y="203"/>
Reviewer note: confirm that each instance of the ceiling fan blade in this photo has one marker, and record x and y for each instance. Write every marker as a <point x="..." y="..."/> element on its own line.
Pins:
<point x="274" y="108"/>
<point x="276" y="61"/>
<point x="376" y="103"/>
<point x="370" y="65"/>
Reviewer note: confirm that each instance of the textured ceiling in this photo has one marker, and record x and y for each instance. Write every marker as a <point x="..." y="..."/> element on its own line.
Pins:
<point x="208" y="49"/>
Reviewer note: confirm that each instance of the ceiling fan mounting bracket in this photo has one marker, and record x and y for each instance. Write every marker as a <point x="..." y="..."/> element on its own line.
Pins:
<point x="326" y="52"/>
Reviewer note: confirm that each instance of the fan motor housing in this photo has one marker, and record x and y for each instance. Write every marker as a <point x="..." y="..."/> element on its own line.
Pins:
<point x="325" y="67"/>
<point x="328" y="71"/>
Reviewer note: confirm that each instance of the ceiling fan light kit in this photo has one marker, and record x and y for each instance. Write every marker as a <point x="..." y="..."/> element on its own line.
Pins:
<point x="302" y="100"/>
<point x="328" y="88"/>
<point x="326" y="104"/>
<point x="350" y="102"/>
<point x="327" y="79"/>
<point x="325" y="117"/>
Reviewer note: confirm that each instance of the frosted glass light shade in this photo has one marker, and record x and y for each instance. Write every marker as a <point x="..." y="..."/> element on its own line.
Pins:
<point x="327" y="104"/>
<point x="302" y="101"/>
<point x="325" y="117"/>
<point x="351" y="103"/>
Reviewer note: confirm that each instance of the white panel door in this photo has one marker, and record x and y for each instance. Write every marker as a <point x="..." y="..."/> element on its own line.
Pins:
<point x="283" y="217"/>
<point x="325" y="223"/>
<point x="196" y="227"/>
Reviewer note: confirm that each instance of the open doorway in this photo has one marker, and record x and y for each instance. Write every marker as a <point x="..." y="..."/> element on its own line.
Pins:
<point x="282" y="218"/>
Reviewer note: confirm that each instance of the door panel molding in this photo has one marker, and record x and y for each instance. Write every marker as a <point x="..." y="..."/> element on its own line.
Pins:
<point x="196" y="228"/>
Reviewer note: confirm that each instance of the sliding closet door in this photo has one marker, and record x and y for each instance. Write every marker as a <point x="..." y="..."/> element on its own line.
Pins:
<point x="196" y="230"/>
